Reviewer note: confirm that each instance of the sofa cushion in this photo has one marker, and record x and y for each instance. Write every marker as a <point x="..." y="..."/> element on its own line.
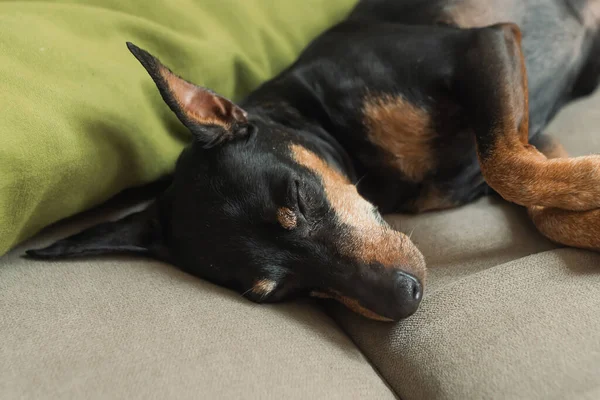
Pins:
<point x="78" y="111"/>
<point x="124" y="328"/>
<point x="505" y="313"/>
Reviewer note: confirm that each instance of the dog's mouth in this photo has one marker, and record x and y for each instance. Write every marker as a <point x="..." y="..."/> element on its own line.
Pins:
<point x="352" y="304"/>
<point x="397" y="301"/>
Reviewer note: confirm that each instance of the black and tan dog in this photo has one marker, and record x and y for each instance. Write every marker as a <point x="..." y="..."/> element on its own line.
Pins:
<point x="433" y="102"/>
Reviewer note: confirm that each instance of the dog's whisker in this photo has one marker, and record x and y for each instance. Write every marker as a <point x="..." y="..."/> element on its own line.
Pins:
<point x="360" y="180"/>
<point x="413" y="231"/>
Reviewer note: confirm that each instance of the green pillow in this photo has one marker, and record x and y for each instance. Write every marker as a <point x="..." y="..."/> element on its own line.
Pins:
<point x="81" y="119"/>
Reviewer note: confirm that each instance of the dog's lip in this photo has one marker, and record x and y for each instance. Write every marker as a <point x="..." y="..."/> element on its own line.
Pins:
<point x="353" y="305"/>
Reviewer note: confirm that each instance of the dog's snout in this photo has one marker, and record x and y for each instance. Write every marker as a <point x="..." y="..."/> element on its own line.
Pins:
<point x="392" y="296"/>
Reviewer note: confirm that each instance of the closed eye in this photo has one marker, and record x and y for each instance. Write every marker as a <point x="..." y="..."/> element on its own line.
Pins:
<point x="300" y="201"/>
<point x="308" y="209"/>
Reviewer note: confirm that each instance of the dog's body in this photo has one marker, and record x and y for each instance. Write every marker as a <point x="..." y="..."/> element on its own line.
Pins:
<point x="382" y="88"/>
<point x="421" y="104"/>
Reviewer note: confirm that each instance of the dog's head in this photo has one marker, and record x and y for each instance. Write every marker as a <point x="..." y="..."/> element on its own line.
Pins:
<point x="257" y="207"/>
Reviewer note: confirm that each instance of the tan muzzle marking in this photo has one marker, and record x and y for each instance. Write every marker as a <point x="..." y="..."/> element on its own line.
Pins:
<point x="370" y="240"/>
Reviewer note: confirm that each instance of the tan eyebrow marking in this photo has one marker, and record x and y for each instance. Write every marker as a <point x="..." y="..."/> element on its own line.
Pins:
<point x="287" y="218"/>
<point x="368" y="240"/>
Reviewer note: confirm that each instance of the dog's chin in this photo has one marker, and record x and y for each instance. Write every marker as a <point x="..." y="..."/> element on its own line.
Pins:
<point x="355" y="306"/>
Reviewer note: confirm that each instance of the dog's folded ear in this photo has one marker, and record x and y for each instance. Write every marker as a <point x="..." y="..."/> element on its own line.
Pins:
<point x="138" y="233"/>
<point x="211" y="118"/>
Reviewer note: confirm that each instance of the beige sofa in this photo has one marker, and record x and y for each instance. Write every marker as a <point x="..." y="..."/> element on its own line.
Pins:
<point x="507" y="315"/>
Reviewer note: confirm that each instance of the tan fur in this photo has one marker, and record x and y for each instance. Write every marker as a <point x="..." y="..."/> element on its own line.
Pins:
<point x="571" y="228"/>
<point x="403" y="132"/>
<point x="352" y="304"/>
<point x="368" y="240"/>
<point x="263" y="287"/>
<point x="201" y="105"/>
<point x="513" y="35"/>
<point x="287" y="218"/>
<point x="524" y="176"/>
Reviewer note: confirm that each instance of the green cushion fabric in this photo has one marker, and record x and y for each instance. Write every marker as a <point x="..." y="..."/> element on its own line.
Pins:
<point x="81" y="120"/>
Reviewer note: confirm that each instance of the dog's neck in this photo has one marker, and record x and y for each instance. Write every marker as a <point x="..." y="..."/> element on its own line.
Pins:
<point x="306" y="130"/>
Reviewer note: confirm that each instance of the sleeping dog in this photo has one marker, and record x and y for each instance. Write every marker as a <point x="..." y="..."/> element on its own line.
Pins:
<point x="406" y="106"/>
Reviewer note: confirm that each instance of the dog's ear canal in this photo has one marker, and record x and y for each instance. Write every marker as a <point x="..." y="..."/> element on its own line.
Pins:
<point x="211" y="118"/>
<point x="138" y="233"/>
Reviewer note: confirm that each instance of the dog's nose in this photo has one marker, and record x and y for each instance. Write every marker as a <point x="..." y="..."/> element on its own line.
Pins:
<point x="408" y="287"/>
<point x="408" y="292"/>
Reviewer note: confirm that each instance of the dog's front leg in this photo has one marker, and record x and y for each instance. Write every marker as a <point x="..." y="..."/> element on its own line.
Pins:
<point x="491" y="82"/>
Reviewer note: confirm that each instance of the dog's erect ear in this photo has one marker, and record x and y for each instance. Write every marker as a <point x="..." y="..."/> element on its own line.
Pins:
<point x="138" y="233"/>
<point x="211" y="118"/>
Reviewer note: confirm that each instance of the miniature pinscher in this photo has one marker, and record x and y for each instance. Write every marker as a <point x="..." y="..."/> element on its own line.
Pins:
<point x="433" y="103"/>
